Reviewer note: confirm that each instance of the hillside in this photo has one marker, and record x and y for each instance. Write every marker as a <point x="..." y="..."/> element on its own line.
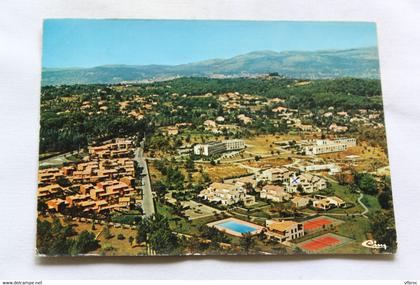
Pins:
<point x="359" y="63"/>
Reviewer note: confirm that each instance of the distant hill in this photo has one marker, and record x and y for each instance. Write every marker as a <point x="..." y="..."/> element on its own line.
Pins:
<point x="359" y="63"/>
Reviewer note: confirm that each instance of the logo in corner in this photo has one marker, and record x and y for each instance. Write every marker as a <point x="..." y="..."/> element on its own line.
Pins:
<point x="373" y="244"/>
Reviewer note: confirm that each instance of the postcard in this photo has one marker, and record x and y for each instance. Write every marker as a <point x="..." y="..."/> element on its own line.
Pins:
<point x="211" y="137"/>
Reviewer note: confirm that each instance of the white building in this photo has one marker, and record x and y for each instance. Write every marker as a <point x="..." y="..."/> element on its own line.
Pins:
<point x="300" y="202"/>
<point x="210" y="148"/>
<point x="235" y="144"/>
<point x="350" y="142"/>
<point x="218" y="147"/>
<point x="307" y="183"/>
<point x="284" y="230"/>
<point x="328" y="146"/>
<point x="332" y="167"/>
<point x="274" y="193"/>
<point x="275" y="174"/>
<point x="326" y="203"/>
<point x="226" y="194"/>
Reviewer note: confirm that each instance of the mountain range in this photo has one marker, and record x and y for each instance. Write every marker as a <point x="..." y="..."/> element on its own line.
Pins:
<point x="358" y="62"/>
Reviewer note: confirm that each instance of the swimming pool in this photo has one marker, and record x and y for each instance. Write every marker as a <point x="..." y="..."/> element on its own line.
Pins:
<point x="237" y="227"/>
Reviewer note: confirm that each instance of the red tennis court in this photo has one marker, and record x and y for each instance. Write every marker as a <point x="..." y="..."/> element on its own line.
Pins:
<point x="316" y="223"/>
<point x="321" y="243"/>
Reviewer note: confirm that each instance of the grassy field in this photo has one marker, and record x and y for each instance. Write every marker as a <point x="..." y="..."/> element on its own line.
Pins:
<point x="268" y="162"/>
<point x="355" y="228"/>
<point x="371" y="202"/>
<point x="264" y="144"/>
<point x="221" y="171"/>
<point x="344" y="193"/>
<point x="371" y="157"/>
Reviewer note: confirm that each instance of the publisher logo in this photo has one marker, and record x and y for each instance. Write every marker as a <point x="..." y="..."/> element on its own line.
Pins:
<point x="373" y="244"/>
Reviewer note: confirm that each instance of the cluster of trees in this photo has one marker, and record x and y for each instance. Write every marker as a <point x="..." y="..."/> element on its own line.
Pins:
<point x="375" y="137"/>
<point x="366" y="183"/>
<point x="382" y="224"/>
<point x="385" y="197"/>
<point x="65" y="127"/>
<point x="345" y="93"/>
<point x="174" y="179"/>
<point x="156" y="233"/>
<point x="163" y="143"/>
<point x="75" y="130"/>
<point x="213" y="234"/>
<point x="53" y="238"/>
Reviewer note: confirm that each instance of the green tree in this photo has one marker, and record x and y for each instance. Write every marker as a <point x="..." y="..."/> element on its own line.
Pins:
<point x="385" y="199"/>
<point x="247" y="242"/>
<point x="367" y="183"/>
<point x="84" y="243"/>
<point x="383" y="229"/>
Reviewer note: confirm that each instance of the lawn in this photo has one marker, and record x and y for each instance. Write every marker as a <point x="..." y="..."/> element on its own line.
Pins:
<point x="355" y="228"/>
<point x="371" y="202"/>
<point x="344" y="193"/>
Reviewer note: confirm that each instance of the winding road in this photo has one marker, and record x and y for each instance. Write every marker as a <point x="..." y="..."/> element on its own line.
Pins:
<point x="363" y="205"/>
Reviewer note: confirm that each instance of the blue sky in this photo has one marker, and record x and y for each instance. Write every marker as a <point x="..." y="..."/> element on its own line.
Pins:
<point x="87" y="43"/>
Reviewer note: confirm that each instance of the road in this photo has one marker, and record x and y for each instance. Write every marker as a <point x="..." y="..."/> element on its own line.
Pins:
<point x="148" y="205"/>
<point x="363" y="205"/>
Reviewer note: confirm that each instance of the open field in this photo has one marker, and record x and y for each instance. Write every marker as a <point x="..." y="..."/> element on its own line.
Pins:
<point x="221" y="171"/>
<point x="371" y="157"/>
<point x="268" y="162"/>
<point x="264" y="144"/>
<point x="356" y="228"/>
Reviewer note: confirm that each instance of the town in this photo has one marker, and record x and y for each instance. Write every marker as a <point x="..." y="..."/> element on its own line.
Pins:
<point x="195" y="165"/>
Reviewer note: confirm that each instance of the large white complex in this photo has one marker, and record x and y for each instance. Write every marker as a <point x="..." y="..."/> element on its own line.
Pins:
<point x="234" y="144"/>
<point x="332" y="167"/>
<point x="328" y="146"/>
<point x="211" y="148"/>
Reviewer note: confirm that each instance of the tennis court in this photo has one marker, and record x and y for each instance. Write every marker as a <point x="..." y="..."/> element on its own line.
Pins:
<point x="323" y="243"/>
<point x="320" y="223"/>
<point x="320" y="243"/>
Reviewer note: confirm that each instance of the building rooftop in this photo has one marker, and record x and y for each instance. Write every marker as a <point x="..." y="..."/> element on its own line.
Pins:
<point x="281" y="226"/>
